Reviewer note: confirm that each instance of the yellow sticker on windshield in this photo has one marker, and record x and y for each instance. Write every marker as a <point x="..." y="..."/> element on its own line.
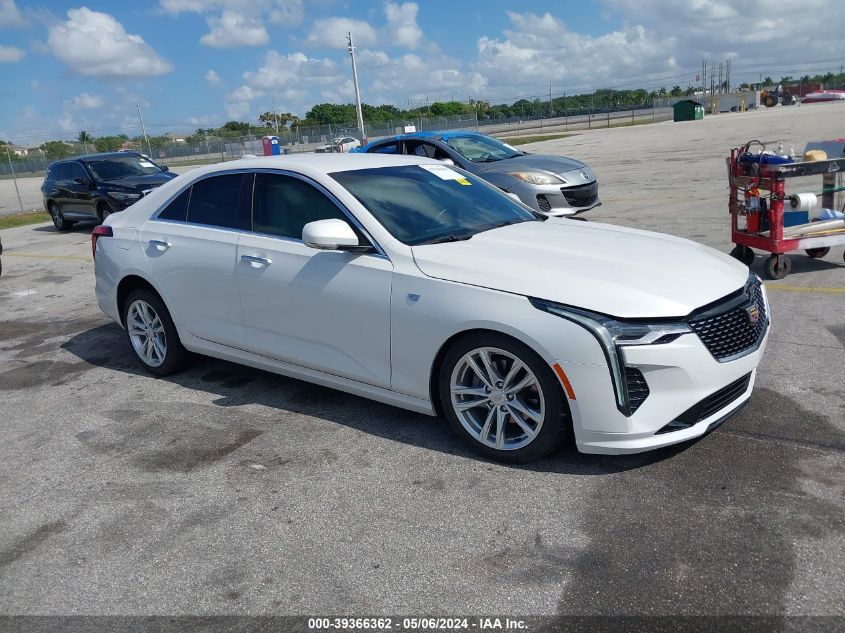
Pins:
<point x="462" y="181"/>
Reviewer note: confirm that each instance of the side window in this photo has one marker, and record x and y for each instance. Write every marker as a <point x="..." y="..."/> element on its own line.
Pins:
<point x="216" y="201"/>
<point x="51" y="173"/>
<point x="387" y="148"/>
<point x="283" y="205"/>
<point x="75" y="170"/>
<point x="178" y="207"/>
<point x="62" y="171"/>
<point x="426" y="150"/>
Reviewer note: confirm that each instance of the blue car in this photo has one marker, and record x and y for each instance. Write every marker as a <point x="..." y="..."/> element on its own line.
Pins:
<point x="552" y="185"/>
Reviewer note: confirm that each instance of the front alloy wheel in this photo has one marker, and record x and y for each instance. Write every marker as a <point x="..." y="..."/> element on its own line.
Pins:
<point x="502" y="398"/>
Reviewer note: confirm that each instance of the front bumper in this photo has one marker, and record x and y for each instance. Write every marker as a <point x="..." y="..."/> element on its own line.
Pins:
<point x="679" y="375"/>
<point x="558" y="200"/>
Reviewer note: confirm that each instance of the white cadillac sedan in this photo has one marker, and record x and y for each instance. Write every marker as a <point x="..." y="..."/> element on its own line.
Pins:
<point x="416" y="284"/>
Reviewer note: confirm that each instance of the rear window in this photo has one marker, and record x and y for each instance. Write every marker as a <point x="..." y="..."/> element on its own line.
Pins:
<point x="178" y="207"/>
<point x="216" y="201"/>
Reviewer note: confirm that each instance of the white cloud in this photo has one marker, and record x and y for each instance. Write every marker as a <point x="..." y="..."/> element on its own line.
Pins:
<point x="402" y="24"/>
<point x="9" y="54"/>
<point x="85" y="101"/>
<point x="239" y="22"/>
<point x="289" y="78"/>
<point x="234" y="29"/>
<point x="287" y="12"/>
<point x="213" y="78"/>
<point x="96" y="44"/>
<point x="331" y="33"/>
<point x="540" y="48"/>
<point x="10" y="15"/>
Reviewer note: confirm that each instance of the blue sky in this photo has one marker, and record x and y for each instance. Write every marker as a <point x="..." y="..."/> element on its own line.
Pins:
<point x="72" y="65"/>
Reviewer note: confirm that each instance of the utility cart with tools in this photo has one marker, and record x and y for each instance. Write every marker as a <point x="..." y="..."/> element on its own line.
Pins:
<point x="763" y="214"/>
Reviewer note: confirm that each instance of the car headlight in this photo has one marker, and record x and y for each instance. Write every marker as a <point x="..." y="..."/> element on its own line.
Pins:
<point x="537" y="177"/>
<point x="613" y="334"/>
<point x="123" y="196"/>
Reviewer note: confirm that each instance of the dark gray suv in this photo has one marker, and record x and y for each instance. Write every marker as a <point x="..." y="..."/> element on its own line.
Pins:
<point x="94" y="186"/>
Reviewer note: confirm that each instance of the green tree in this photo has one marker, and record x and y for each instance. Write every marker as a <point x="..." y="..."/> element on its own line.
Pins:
<point x="676" y="91"/>
<point x="56" y="149"/>
<point x="85" y="139"/>
<point x="110" y="143"/>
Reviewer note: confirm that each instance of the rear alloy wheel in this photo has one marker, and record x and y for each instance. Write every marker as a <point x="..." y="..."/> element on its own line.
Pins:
<point x="58" y="218"/>
<point x="502" y="398"/>
<point x="104" y="211"/>
<point x="152" y="333"/>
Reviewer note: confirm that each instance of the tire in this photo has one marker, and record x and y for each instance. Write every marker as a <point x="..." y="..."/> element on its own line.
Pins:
<point x="540" y="406"/>
<point x="778" y="266"/>
<point x="743" y="254"/>
<point x="58" y="218"/>
<point x="817" y="253"/>
<point x="103" y="211"/>
<point x="142" y="311"/>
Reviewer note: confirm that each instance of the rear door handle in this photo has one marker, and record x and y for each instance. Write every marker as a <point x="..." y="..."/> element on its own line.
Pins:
<point x="256" y="261"/>
<point x="161" y="245"/>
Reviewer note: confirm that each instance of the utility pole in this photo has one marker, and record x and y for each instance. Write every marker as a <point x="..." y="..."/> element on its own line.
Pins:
<point x="14" y="178"/>
<point x="144" y="131"/>
<point x="275" y="116"/>
<point x="551" y="107"/>
<point x="351" y="49"/>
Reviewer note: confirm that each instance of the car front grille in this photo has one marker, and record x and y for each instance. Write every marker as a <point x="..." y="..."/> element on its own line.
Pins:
<point x="637" y="388"/>
<point x="711" y="405"/>
<point x="582" y="195"/>
<point x="734" y="325"/>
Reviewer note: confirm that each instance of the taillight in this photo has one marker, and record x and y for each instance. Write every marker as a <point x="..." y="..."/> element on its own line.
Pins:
<point x="98" y="232"/>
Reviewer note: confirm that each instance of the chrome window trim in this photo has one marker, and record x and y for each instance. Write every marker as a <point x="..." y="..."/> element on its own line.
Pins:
<point x="379" y="251"/>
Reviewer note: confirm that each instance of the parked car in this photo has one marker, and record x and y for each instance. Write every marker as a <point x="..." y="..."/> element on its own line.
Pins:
<point x="411" y="282"/>
<point x="552" y="185"/>
<point x="340" y="144"/>
<point x="346" y="143"/>
<point x="95" y="186"/>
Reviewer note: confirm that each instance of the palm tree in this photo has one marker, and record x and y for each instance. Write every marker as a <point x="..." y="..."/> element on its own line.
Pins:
<point x="85" y="138"/>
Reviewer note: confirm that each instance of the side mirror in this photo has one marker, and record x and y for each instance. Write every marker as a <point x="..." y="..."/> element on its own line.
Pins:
<point x="331" y="235"/>
<point x="165" y="168"/>
<point x="447" y="161"/>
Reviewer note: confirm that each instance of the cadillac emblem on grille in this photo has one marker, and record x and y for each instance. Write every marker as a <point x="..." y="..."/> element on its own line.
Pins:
<point x="753" y="314"/>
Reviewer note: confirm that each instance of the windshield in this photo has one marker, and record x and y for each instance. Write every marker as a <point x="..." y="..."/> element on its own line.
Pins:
<point x="431" y="203"/>
<point x="121" y="167"/>
<point x="481" y="149"/>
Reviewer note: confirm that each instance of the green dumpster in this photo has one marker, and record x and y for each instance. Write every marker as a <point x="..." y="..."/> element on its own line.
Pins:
<point x="688" y="110"/>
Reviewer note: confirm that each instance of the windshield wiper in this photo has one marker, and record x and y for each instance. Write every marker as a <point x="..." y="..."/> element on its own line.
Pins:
<point x="446" y="238"/>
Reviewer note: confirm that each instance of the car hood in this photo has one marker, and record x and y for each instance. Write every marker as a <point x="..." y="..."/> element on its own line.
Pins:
<point x="617" y="271"/>
<point x="143" y="182"/>
<point x="553" y="164"/>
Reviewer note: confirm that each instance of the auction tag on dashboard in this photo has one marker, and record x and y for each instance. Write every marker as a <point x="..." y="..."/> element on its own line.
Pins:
<point x="463" y="181"/>
<point x="444" y="173"/>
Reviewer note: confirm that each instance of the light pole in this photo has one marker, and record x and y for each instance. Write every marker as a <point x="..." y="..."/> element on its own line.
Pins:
<point x="144" y="130"/>
<point x="351" y="49"/>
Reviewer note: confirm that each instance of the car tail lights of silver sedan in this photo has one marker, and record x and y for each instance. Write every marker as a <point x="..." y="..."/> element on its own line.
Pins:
<point x="415" y="283"/>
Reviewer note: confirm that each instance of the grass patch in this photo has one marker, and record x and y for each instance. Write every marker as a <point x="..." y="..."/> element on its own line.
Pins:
<point x="522" y="140"/>
<point x="22" y="219"/>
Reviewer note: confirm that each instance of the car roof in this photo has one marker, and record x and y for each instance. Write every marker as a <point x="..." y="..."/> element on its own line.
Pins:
<point x="72" y="159"/>
<point x="313" y="163"/>
<point x="432" y="134"/>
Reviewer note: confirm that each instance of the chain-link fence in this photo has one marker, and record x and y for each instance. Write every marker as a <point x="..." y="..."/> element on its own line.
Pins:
<point x="295" y="139"/>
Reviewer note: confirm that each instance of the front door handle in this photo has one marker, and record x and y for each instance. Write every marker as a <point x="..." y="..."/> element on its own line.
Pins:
<point x="161" y="245"/>
<point x="254" y="260"/>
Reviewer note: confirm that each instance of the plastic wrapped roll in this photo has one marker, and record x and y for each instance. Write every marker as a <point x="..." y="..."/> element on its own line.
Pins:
<point x="803" y="201"/>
